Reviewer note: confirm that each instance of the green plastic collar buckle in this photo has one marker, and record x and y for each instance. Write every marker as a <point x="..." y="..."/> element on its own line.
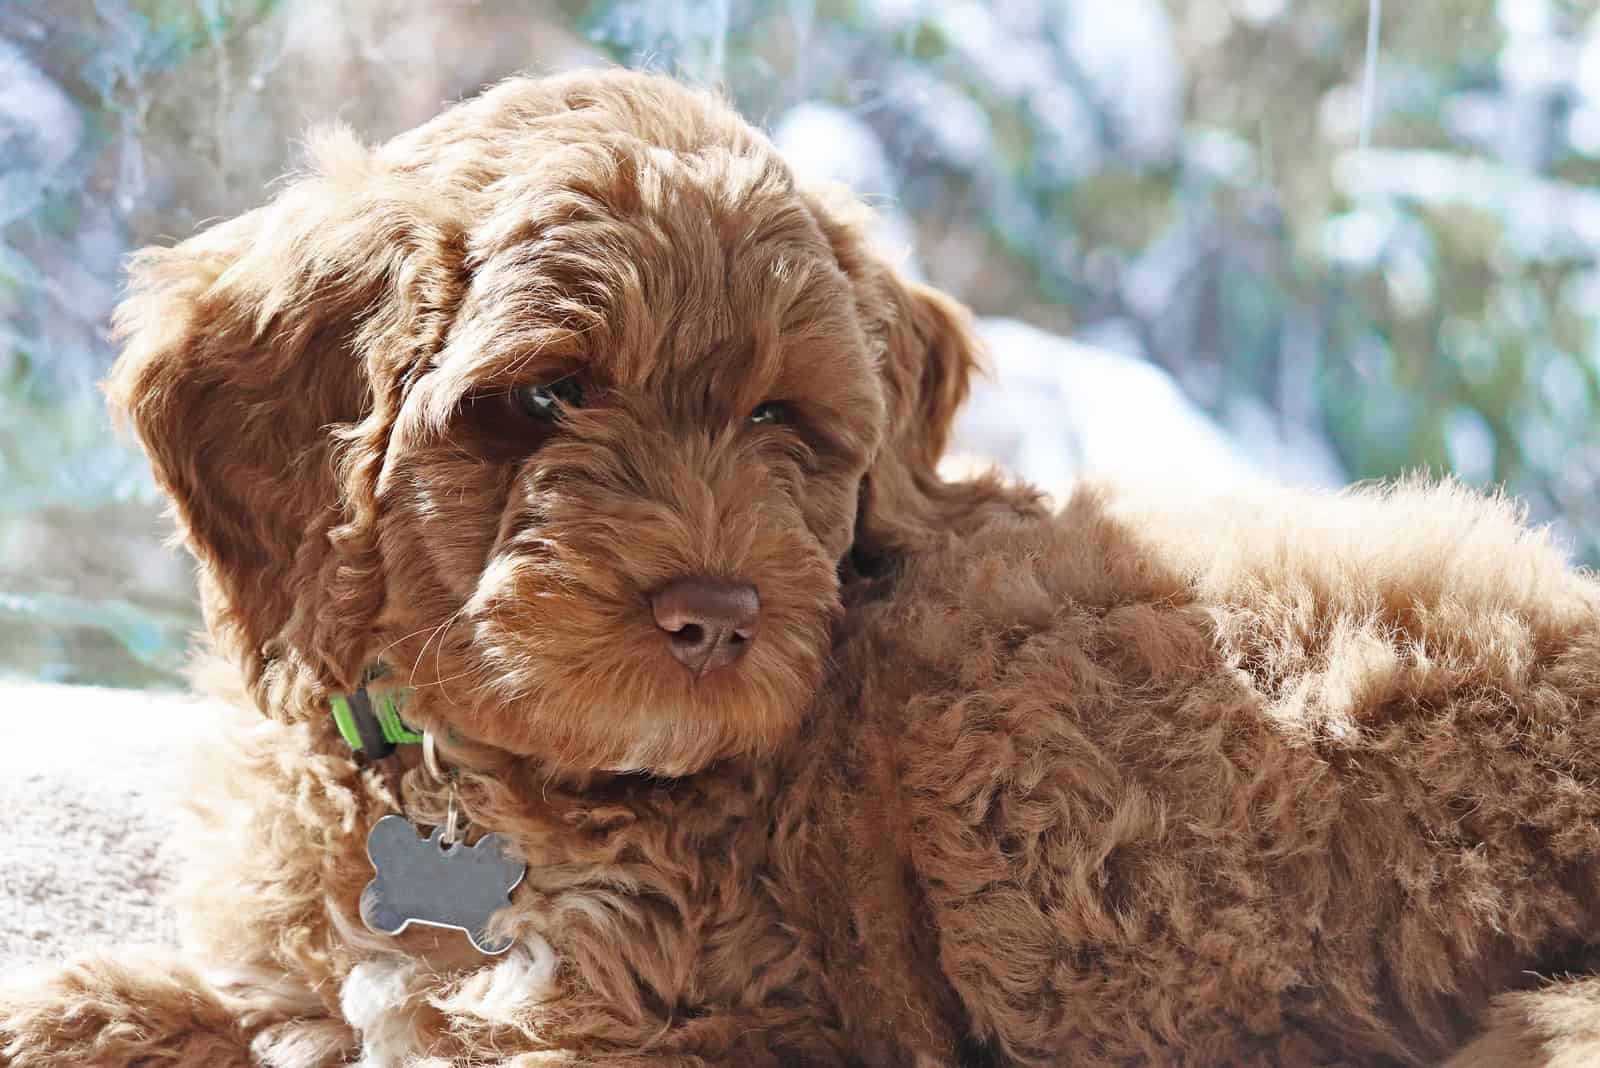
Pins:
<point x="372" y="725"/>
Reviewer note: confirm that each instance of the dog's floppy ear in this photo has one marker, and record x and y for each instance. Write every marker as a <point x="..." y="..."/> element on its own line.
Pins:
<point x="928" y="354"/>
<point x="929" y="357"/>
<point x="264" y="361"/>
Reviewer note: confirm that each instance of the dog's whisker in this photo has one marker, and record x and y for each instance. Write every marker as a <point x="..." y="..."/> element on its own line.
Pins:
<point x="440" y="682"/>
<point x="404" y="638"/>
<point x="437" y="635"/>
<point x="416" y="664"/>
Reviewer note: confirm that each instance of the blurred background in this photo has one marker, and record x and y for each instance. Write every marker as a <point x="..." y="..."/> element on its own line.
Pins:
<point x="1187" y="266"/>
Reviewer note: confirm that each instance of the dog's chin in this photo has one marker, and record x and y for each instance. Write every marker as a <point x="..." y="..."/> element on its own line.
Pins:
<point x="668" y="739"/>
<point x="659" y="723"/>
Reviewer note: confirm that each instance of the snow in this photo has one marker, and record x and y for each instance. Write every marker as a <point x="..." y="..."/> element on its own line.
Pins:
<point x="1052" y="409"/>
<point x="1547" y="220"/>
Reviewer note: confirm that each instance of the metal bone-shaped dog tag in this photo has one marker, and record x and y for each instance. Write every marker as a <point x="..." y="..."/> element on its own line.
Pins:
<point x="422" y="880"/>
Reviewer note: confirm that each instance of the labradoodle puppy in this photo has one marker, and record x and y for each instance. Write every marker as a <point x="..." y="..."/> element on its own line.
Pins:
<point x="570" y="431"/>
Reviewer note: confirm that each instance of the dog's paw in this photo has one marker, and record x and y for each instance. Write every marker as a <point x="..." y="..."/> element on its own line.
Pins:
<point x="139" y="1009"/>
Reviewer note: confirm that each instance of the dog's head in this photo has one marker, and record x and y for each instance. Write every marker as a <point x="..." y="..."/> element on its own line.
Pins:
<point x="567" y="405"/>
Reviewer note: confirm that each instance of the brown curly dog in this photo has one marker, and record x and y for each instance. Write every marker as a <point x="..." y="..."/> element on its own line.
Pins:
<point x="618" y="448"/>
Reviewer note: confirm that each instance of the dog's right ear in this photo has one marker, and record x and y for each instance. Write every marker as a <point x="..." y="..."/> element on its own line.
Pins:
<point x="264" y="362"/>
<point x="926" y="354"/>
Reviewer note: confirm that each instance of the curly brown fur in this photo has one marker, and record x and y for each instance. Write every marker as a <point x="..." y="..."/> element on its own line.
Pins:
<point x="1281" y="780"/>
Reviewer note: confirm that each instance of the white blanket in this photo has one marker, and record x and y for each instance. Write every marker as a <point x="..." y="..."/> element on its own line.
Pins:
<point x="88" y="794"/>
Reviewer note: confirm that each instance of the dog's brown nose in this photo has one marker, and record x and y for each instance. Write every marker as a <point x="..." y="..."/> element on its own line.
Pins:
<point x="709" y="624"/>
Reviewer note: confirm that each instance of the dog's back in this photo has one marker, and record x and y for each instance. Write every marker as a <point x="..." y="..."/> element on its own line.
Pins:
<point x="1273" y="780"/>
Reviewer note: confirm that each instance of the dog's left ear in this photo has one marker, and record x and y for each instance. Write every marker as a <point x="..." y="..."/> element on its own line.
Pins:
<point x="927" y="354"/>
<point x="264" y="363"/>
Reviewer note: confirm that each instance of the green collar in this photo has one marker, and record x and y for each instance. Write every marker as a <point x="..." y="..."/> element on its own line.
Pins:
<point x="371" y="723"/>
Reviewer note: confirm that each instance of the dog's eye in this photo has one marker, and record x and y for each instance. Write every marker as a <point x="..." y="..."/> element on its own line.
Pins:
<point x="546" y="402"/>
<point x="770" y="413"/>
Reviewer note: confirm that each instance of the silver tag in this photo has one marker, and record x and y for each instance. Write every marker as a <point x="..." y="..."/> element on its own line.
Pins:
<point x="422" y="880"/>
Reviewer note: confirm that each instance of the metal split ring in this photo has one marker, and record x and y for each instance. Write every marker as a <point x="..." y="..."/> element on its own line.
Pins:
<point x="452" y="812"/>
